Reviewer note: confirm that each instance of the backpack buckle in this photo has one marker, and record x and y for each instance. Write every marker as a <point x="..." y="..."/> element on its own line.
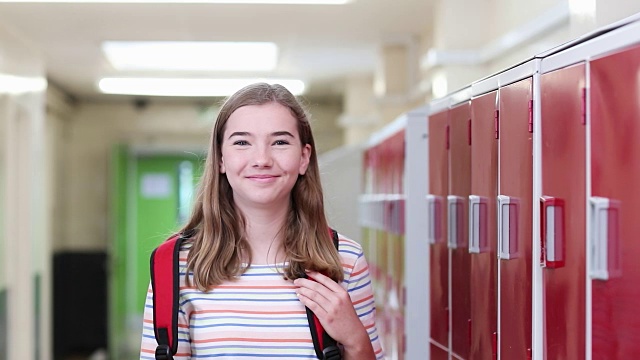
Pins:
<point x="331" y="353"/>
<point x="163" y="352"/>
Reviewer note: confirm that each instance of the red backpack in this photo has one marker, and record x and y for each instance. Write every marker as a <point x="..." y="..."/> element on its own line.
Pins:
<point x="165" y="270"/>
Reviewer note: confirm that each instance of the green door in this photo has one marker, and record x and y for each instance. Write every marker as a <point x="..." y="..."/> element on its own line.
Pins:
<point x="153" y="200"/>
<point x="163" y="201"/>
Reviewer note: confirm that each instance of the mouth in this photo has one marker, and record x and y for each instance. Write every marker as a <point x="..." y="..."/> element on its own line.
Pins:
<point x="262" y="178"/>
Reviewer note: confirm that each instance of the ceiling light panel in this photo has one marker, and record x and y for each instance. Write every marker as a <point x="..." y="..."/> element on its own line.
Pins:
<point x="10" y="84"/>
<point x="188" y="86"/>
<point x="191" y="56"/>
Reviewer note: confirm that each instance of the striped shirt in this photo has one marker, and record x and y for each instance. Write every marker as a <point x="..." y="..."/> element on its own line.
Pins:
<point x="258" y="316"/>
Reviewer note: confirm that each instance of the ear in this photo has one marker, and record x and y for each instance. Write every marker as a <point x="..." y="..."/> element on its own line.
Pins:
<point x="222" y="168"/>
<point x="304" y="159"/>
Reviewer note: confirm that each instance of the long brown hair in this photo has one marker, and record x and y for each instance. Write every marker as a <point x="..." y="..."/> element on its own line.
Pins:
<point x="216" y="227"/>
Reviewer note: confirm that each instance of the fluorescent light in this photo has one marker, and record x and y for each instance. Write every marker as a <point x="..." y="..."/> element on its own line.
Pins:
<point x="439" y="85"/>
<point x="584" y="8"/>
<point x="10" y="84"/>
<point x="191" y="55"/>
<point x="287" y="2"/>
<point x="187" y="87"/>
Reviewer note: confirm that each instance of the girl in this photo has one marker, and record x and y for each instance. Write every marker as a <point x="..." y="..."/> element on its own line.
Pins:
<point x="258" y="226"/>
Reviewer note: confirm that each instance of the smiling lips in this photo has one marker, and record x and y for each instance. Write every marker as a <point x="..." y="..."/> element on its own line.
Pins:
<point x="262" y="178"/>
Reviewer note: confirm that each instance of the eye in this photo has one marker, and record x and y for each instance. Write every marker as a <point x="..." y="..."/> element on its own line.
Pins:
<point x="241" y="142"/>
<point x="281" y="142"/>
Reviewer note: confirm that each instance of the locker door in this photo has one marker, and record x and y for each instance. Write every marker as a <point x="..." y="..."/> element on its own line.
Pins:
<point x="382" y="248"/>
<point x="439" y="255"/>
<point x="615" y="175"/>
<point x="514" y="220"/>
<point x="4" y="287"/>
<point x="562" y="212"/>
<point x="377" y="240"/>
<point x="482" y="223"/>
<point x="365" y="208"/>
<point x="395" y="250"/>
<point x="459" y="191"/>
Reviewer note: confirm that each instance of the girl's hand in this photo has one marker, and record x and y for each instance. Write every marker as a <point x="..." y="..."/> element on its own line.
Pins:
<point x="332" y="305"/>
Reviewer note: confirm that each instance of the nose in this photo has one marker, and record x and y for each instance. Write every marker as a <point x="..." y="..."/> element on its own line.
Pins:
<point x="263" y="158"/>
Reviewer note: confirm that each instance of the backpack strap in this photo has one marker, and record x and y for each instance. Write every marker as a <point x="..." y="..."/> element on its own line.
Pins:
<point x="326" y="347"/>
<point x="165" y="266"/>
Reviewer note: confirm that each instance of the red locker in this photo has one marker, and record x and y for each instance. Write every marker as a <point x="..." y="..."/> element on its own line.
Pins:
<point x="459" y="191"/>
<point x="400" y="146"/>
<point x="482" y="226"/>
<point x="514" y="219"/>
<point x="394" y="146"/>
<point x="375" y="161"/>
<point x="385" y="182"/>
<point x="562" y="212"/>
<point x="365" y="207"/>
<point x="396" y="227"/>
<point x="439" y="254"/>
<point x="615" y="175"/>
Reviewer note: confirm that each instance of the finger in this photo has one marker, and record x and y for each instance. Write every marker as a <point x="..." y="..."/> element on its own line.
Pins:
<point x="311" y="304"/>
<point x="314" y="287"/>
<point x="326" y="281"/>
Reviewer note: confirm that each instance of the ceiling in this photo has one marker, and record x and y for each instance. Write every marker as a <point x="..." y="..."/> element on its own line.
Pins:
<point x="320" y="44"/>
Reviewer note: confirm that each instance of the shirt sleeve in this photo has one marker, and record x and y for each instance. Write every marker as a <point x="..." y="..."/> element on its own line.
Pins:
<point x="149" y="343"/>
<point x="361" y="293"/>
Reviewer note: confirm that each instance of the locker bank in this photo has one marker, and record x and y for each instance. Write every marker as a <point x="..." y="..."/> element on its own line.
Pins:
<point x="520" y="188"/>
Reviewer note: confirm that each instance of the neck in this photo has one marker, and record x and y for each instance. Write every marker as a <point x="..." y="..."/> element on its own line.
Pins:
<point x="264" y="230"/>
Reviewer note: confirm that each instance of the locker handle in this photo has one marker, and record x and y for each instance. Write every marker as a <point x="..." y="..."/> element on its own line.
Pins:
<point x="477" y="224"/>
<point x="379" y="213"/>
<point x="400" y="215"/>
<point x="389" y="214"/>
<point x="494" y="345"/>
<point x="447" y="313"/>
<point x="396" y="214"/>
<point x="434" y="219"/>
<point x="552" y="233"/>
<point x="372" y="211"/>
<point x="455" y="218"/>
<point x="605" y="238"/>
<point x="366" y="211"/>
<point x="508" y="212"/>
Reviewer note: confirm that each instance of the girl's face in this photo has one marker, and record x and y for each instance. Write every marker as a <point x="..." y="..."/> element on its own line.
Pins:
<point x="262" y="155"/>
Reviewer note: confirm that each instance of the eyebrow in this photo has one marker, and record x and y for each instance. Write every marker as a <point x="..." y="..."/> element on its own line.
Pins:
<point x="276" y="133"/>
<point x="282" y="133"/>
<point x="239" y="133"/>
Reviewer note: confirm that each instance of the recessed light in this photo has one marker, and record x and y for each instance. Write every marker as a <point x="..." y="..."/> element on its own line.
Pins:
<point x="196" y="87"/>
<point x="10" y="84"/>
<point x="191" y="55"/>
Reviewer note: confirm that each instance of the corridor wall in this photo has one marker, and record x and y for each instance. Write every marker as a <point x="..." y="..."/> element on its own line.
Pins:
<point x="25" y="219"/>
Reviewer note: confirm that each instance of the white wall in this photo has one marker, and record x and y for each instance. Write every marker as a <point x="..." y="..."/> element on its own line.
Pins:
<point x="611" y="11"/>
<point x="464" y="32"/>
<point x="25" y="200"/>
<point x="341" y="174"/>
